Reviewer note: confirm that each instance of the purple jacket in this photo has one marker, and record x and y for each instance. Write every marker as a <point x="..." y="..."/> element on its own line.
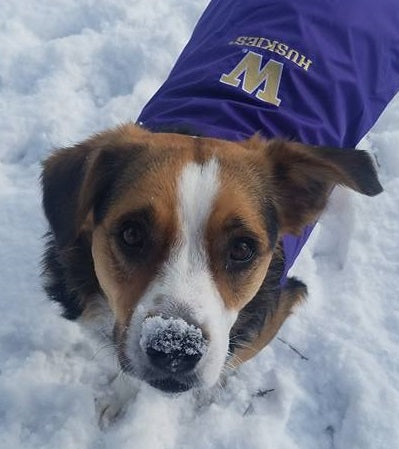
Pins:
<point x="317" y="71"/>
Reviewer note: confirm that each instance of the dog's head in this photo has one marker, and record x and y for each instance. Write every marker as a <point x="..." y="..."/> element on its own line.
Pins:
<point x="182" y="231"/>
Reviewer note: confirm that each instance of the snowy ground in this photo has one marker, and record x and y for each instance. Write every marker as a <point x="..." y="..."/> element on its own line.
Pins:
<point x="72" y="67"/>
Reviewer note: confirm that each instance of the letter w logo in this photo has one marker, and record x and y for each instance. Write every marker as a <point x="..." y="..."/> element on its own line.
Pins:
<point x="255" y="76"/>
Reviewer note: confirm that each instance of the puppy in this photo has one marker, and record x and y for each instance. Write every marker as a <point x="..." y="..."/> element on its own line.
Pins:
<point x="170" y="246"/>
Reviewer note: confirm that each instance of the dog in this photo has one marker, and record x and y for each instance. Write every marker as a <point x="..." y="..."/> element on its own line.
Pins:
<point x="173" y="246"/>
<point x="176" y="241"/>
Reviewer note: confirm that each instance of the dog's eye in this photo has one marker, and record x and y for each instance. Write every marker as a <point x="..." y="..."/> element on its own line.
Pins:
<point x="133" y="235"/>
<point x="242" y="250"/>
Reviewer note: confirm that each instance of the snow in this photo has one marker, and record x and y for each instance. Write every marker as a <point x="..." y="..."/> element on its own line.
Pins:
<point x="169" y="335"/>
<point x="72" y="67"/>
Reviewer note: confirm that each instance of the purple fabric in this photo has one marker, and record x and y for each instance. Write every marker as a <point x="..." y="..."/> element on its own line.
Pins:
<point x="353" y="47"/>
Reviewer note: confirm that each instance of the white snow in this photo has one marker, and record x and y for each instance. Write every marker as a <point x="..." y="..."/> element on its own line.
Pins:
<point x="72" y="67"/>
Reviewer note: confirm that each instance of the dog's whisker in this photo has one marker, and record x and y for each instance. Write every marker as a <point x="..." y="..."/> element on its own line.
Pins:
<point x="245" y="346"/>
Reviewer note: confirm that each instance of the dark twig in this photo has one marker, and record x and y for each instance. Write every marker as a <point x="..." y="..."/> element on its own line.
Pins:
<point x="262" y="393"/>
<point x="258" y="394"/>
<point x="294" y="349"/>
<point x="248" y="410"/>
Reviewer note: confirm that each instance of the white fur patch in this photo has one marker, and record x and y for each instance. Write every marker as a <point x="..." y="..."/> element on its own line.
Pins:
<point x="185" y="287"/>
<point x="198" y="187"/>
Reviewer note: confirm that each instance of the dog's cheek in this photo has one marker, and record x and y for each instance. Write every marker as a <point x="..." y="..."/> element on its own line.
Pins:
<point x="122" y="289"/>
<point x="101" y="257"/>
<point x="216" y="358"/>
<point x="238" y="289"/>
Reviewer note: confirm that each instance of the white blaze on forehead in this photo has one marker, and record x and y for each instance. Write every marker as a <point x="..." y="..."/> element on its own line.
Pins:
<point x="198" y="187"/>
<point x="187" y="274"/>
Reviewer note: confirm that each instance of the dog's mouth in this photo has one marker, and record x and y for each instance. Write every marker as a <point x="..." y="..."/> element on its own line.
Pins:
<point x="170" y="385"/>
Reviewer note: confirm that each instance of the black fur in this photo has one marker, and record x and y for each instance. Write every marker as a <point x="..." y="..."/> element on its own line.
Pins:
<point x="69" y="275"/>
<point x="185" y="130"/>
<point x="61" y="188"/>
<point x="357" y="164"/>
<point x="295" y="284"/>
<point x="271" y="218"/>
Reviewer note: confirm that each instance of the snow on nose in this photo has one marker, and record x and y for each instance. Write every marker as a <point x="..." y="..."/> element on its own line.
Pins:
<point x="172" y="344"/>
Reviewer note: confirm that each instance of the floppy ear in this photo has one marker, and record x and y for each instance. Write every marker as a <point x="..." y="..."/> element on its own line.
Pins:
<point x="73" y="179"/>
<point x="303" y="176"/>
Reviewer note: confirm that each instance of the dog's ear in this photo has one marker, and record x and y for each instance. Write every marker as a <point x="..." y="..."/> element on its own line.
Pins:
<point x="73" y="179"/>
<point x="303" y="177"/>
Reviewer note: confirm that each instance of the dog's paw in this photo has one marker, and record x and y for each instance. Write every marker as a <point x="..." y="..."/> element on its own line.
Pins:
<point x="205" y="397"/>
<point x="111" y="406"/>
<point x="108" y="411"/>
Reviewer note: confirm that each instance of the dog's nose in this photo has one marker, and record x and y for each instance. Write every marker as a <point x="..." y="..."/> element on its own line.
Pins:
<point x="171" y="344"/>
<point x="173" y="362"/>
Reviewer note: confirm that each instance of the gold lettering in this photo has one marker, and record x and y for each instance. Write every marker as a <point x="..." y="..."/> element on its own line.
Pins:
<point x="252" y="41"/>
<point x="269" y="93"/>
<point x="290" y="53"/>
<point x="282" y="49"/>
<point x="275" y="47"/>
<point x="260" y="42"/>
<point x="269" y="45"/>
<point x="304" y="62"/>
<point x="254" y="76"/>
<point x="240" y="40"/>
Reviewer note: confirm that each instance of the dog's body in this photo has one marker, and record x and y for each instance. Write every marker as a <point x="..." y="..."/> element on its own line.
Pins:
<point x="177" y="245"/>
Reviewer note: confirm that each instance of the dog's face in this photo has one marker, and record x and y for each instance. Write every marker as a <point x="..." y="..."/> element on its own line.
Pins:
<point x="181" y="232"/>
<point x="186" y="238"/>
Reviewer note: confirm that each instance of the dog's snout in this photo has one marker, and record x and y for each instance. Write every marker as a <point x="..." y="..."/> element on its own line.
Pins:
<point x="171" y="344"/>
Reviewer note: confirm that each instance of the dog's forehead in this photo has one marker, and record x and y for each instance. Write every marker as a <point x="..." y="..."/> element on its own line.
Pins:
<point x="194" y="148"/>
<point x="154" y="180"/>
